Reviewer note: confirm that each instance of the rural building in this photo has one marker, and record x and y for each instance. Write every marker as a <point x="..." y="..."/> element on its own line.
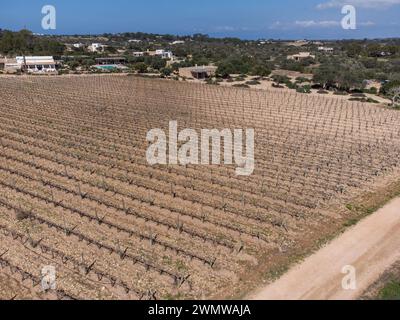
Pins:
<point x="96" y="47"/>
<point x="178" y="42"/>
<point x="201" y="73"/>
<point x="110" y="60"/>
<point x="161" y="53"/>
<point x="325" y="49"/>
<point x="301" y="56"/>
<point x="138" y="54"/>
<point x="37" y="64"/>
<point x="10" y="65"/>
<point x="164" y="54"/>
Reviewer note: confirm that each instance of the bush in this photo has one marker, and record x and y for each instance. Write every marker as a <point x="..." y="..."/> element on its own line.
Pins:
<point x="391" y="291"/>
<point x="372" y="90"/>
<point x="241" y="85"/>
<point x="302" y="79"/>
<point x="240" y="78"/>
<point x="166" y="72"/>
<point x="358" y="95"/>
<point x="370" y="100"/>
<point x="291" y="85"/>
<point x="253" y="82"/>
<point x="304" y="89"/>
<point x="141" y="67"/>
<point x="388" y="86"/>
<point x="280" y="79"/>
<point x="322" y="92"/>
<point x="21" y="216"/>
<point x="341" y="93"/>
<point x="212" y="82"/>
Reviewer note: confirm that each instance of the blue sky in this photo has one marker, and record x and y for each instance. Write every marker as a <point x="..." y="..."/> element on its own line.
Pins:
<point x="251" y="19"/>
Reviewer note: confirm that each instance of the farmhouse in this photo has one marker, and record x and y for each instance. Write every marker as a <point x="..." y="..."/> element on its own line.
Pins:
<point x="203" y="72"/>
<point x="325" y="49"/>
<point x="301" y="56"/>
<point x="36" y="64"/>
<point x="10" y="65"/>
<point x="96" y="47"/>
<point x="178" y="42"/>
<point x="138" y="54"/>
<point x="78" y="45"/>
<point x="161" y="53"/>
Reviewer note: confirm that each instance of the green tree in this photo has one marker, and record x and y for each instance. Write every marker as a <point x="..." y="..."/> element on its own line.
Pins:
<point x="261" y="71"/>
<point x="166" y="72"/>
<point x="141" y="67"/>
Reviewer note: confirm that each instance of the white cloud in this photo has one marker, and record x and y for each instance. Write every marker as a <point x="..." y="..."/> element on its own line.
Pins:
<point x="369" y="4"/>
<point x="367" y="24"/>
<point x="229" y="29"/>
<point x="317" y="24"/>
<point x="304" y="24"/>
<point x="278" y="25"/>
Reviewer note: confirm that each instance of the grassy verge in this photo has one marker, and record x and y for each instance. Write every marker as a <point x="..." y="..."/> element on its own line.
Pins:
<point x="370" y="203"/>
<point x="357" y="210"/>
<point x="360" y="208"/>
<point x="391" y="291"/>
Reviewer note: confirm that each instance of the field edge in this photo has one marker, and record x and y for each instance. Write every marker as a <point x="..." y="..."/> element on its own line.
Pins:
<point x="357" y="210"/>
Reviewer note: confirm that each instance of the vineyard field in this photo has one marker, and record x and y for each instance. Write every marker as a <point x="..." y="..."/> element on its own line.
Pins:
<point x="77" y="193"/>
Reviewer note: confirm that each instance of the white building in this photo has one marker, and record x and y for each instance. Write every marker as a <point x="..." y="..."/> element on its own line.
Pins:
<point x="164" y="54"/>
<point x="301" y="56"/>
<point x="10" y="65"/>
<point x="97" y="47"/>
<point x="37" y="64"/>
<point x="325" y="49"/>
<point x="78" y="45"/>
<point x="134" y="41"/>
<point x="178" y="42"/>
<point x="138" y="54"/>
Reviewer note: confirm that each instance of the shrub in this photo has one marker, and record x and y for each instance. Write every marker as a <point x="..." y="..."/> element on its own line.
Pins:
<point x="241" y="85"/>
<point x="304" y="89"/>
<point x="341" y="93"/>
<point x="253" y="82"/>
<point x="358" y="95"/>
<point x="21" y="216"/>
<point x="372" y="90"/>
<point x="280" y="79"/>
<point x="291" y="85"/>
<point x="391" y="291"/>
<point x="370" y="100"/>
<point x="212" y="82"/>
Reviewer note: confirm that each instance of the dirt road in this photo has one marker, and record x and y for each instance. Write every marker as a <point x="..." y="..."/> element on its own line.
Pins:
<point x="370" y="247"/>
